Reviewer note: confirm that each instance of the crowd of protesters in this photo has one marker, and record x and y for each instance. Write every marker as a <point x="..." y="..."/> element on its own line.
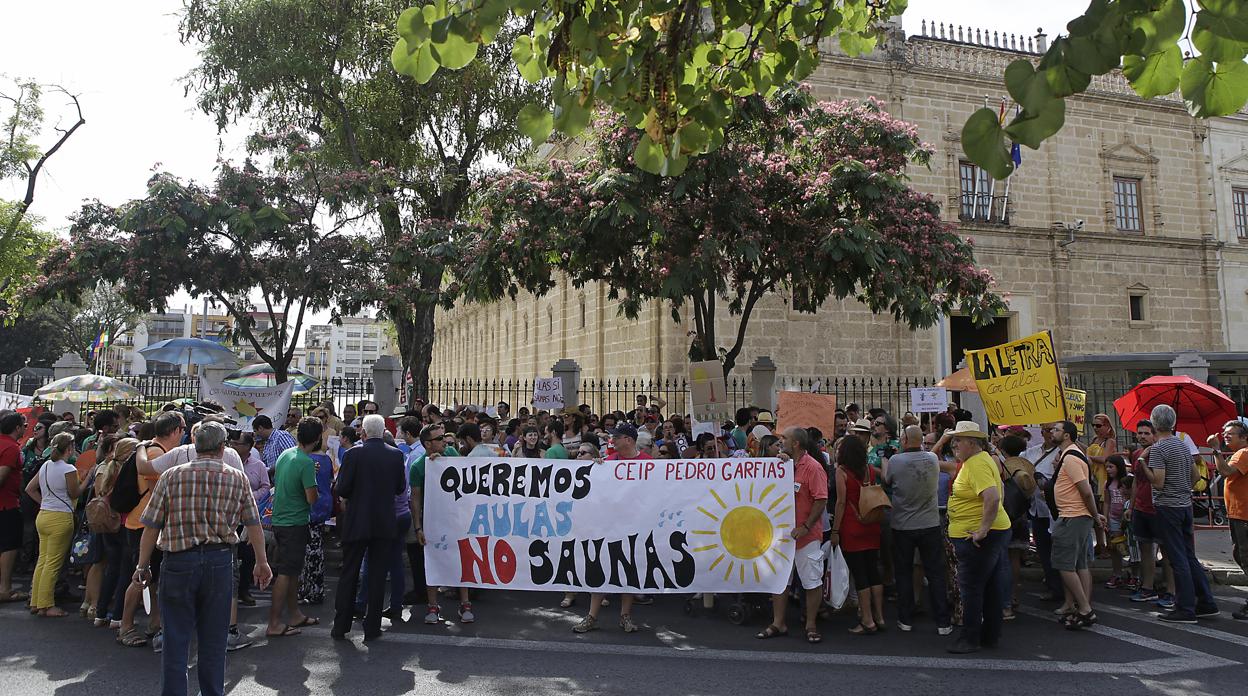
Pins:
<point x="186" y="493"/>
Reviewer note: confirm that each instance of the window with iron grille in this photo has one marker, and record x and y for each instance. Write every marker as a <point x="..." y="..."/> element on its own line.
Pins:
<point x="976" y="193"/>
<point x="1127" y="216"/>
<point x="1239" y="205"/>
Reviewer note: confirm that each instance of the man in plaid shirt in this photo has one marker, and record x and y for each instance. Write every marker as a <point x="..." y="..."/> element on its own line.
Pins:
<point x="275" y="441"/>
<point x="192" y="516"/>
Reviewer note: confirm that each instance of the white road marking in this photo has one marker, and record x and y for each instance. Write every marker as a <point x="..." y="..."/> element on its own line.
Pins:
<point x="1151" y="617"/>
<point x="1176" y="658"/>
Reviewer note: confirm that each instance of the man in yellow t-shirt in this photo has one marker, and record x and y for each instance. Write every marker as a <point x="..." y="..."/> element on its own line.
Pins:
<point x="1072" y="534"/>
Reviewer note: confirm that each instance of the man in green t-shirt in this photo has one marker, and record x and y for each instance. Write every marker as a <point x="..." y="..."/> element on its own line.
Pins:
<point x="554" y="437"/>
<point x="294" y="491"/>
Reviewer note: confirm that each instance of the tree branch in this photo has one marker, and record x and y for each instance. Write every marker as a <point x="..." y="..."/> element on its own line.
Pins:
<point x="33" y="175"/>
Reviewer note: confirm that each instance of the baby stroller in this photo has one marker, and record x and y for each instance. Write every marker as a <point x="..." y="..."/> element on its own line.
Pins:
<point x="740" y="608"/>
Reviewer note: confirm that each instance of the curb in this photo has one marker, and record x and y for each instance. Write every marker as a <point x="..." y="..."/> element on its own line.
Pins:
<point x="1221" y="575"/>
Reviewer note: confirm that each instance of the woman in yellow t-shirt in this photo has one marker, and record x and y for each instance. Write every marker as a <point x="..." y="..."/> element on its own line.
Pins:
<point x="980" y="532"/>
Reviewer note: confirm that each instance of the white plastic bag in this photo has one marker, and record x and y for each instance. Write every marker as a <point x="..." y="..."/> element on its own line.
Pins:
<point x="836" y="577"/>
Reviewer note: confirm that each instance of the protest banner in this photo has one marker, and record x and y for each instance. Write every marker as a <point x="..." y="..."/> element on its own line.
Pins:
<point x="928" y="399"/>
<point x="13" y="401"/>
<point x="548" y="393"/>
<point x="1076" y="406"/>
<point x="804" y="410"/>
<point x="707" y="390"/>
<point x="653" y="526"/>
<point x="243" y="404"/>
<point x="1019" y="381"/>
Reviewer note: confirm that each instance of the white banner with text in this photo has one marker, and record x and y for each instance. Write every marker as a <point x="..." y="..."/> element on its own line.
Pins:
<point x="648" y="526"/>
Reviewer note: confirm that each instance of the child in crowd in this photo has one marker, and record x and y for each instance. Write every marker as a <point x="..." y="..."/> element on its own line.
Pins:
<point x="1114" y="506"/>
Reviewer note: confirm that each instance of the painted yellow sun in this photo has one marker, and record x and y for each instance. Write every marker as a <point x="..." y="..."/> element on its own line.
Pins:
<point x="748" y="532"/>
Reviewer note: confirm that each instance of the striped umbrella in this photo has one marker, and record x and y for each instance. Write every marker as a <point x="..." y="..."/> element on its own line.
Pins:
<point x="87" y="387"/>
<point x="262" y="375"/>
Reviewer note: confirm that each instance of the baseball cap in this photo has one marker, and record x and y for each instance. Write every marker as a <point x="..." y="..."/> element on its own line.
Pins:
<point x="625" y="430"/>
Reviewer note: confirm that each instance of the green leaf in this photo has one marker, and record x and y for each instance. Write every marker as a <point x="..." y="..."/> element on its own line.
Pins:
<point x="420" y="65"/>
<point x="570" y="116"/>
<point x="983" y="140"/>
<point x="855" y="44"/>
<point x="1214" y="47"/>
<point x="528" y="61"/>
<point x="1093" y="54"/>
<point x="1155" y="74"/>
<point x="1028" y="87"/>
<point x="1211" y="89"/>
<point x="649" y="155"/>
<point x="455" y="52"/>
<point x="1064" y="79"/>
<point x="1032" y="128"/>
<point x="1163" y="27"/>
<point x="693" y="137"/>
<point x="535" y="122"/>
<point x="412" y="25"/>
<point x="1091" y="19"/>
<point x="1227" y="18"/>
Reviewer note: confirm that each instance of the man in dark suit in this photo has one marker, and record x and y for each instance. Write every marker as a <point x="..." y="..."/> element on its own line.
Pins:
<point x="371" y="476"/>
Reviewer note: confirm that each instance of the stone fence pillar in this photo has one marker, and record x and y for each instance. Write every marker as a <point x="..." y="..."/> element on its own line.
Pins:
<point x="387" y="383"/>
<point x="763" y="383"/>
<point x="569" y="372"/>
<point x="68" y="365"/>
<point x="1189" y="364"/>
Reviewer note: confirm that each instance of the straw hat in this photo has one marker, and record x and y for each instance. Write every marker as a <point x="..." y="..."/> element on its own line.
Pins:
<point x="969" y="429"/>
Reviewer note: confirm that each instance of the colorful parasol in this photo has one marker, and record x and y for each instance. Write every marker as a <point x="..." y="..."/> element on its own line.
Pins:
<point x="262" y="375"/>
<point x="87" y="387"/>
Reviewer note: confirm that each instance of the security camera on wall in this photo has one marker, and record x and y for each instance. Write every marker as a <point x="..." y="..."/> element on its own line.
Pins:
<point x="1079" y="224"/>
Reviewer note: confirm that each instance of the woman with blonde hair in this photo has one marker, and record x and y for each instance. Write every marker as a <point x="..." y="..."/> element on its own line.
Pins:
<point x="55" y="488"/>
<point x="111" y="596"/>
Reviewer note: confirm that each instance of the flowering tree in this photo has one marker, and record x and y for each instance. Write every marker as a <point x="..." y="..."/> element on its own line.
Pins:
<point x="279" y="239"/>
<point x="809" y="200"/>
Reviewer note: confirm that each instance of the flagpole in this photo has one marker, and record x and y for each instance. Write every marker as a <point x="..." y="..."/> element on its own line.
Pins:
<point x="1006" y="200"/>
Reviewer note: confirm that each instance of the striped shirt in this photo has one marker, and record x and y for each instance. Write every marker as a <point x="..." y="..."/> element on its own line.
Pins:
<point x="1173" y="455"/>
<point x="201" y="502"/>
<point x="279" y="441"/>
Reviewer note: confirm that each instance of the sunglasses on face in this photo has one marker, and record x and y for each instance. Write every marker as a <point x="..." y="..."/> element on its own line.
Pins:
<point x="370" y="410"/>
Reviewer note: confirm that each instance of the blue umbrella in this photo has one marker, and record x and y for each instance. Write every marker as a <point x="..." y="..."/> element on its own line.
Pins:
<point x="190" y="351"/>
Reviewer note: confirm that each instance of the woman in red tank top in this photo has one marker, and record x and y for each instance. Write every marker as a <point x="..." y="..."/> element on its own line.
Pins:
<point x="859" y="542"/>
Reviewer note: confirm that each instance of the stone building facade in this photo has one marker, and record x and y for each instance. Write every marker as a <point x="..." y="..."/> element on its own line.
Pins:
<point x="1118" y="236"/>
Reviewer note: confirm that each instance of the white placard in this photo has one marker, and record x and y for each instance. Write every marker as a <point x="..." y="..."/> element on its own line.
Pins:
<point x="928" y="399"/>
<point x="654" y="526"/>
<point x="243" y="404"/>
<point x="14" y="401"/>
<point x="548" y="393"/>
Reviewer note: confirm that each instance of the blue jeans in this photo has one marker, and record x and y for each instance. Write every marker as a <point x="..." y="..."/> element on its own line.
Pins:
<point x="196" y="588"/>
<point x="1191" y="587"/>
<point x="1044" y="549"/>
<point x="932" y="552"/>
<point x="398" y="583"/>
<point x="984" y="579"/>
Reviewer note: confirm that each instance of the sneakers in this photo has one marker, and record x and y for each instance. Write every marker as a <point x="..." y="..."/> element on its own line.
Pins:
<point x="158" y="642"/>
<point x="626" y="624"/>
<point x="1144" y="595"/>
<point x="1241" y="614"/>
<point x="643" y="599"/>
<point x="1207" y="611"/>
<point x="236" y="641"/>
<point x="1176" y="616"/>
<point x="904" y="627"/>
<point x="433" y="615"/>
<point x="465" y="613"/>
<point x="586" y="625"/>
<point x="1131" y="584"/>
<point x="1165" y="600"/>
<point x="945" y="630"/>
<point x="1113" y="583"/>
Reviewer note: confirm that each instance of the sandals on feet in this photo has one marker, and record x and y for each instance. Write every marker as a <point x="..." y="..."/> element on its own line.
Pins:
<point x="132" y="638"/>
<point x="862" y="630"/>
<point x="772" y="631"/>
<point x="567" y="602"/>
<point x="813" y="637"/>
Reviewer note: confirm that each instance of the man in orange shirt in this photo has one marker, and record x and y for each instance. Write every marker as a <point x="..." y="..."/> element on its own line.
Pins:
<point x="1235" y="469"/>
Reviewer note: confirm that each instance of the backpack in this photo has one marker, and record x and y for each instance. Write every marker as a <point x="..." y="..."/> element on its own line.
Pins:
<point x="1016" y="500"/>
<point x="100" y="515"/>
<point x="1050" y="495"/>
<point x="125" y="495"/>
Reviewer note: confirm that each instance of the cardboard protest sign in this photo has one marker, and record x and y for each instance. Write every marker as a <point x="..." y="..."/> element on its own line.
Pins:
<point x="548" y="393"/>
<point x="654" y="526"/>
<point x="243" y="404"/>
<point x="1076" y="406"/>
<point x="803" y="410"/>
<point x="928" y="399"/>
<point x="707" y="390"/>
<point x="1019" y="381"/>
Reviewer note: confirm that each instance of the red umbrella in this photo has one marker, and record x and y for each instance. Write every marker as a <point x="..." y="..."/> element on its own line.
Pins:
<point x="1201" y="409"/>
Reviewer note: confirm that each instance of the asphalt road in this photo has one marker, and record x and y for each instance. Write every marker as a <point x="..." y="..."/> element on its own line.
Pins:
<point x="522" y="643"/>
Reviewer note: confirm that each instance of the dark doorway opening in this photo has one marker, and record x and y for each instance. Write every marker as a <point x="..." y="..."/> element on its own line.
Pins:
<point x="965" y="335"/>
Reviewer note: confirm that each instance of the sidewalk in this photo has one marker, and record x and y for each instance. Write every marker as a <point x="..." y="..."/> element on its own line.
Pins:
<point x="1213" y="548"/>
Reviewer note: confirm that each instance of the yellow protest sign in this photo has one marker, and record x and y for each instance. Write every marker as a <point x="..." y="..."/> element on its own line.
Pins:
<point x="1076" y="406"/>
<point x="1019" y="381"/>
